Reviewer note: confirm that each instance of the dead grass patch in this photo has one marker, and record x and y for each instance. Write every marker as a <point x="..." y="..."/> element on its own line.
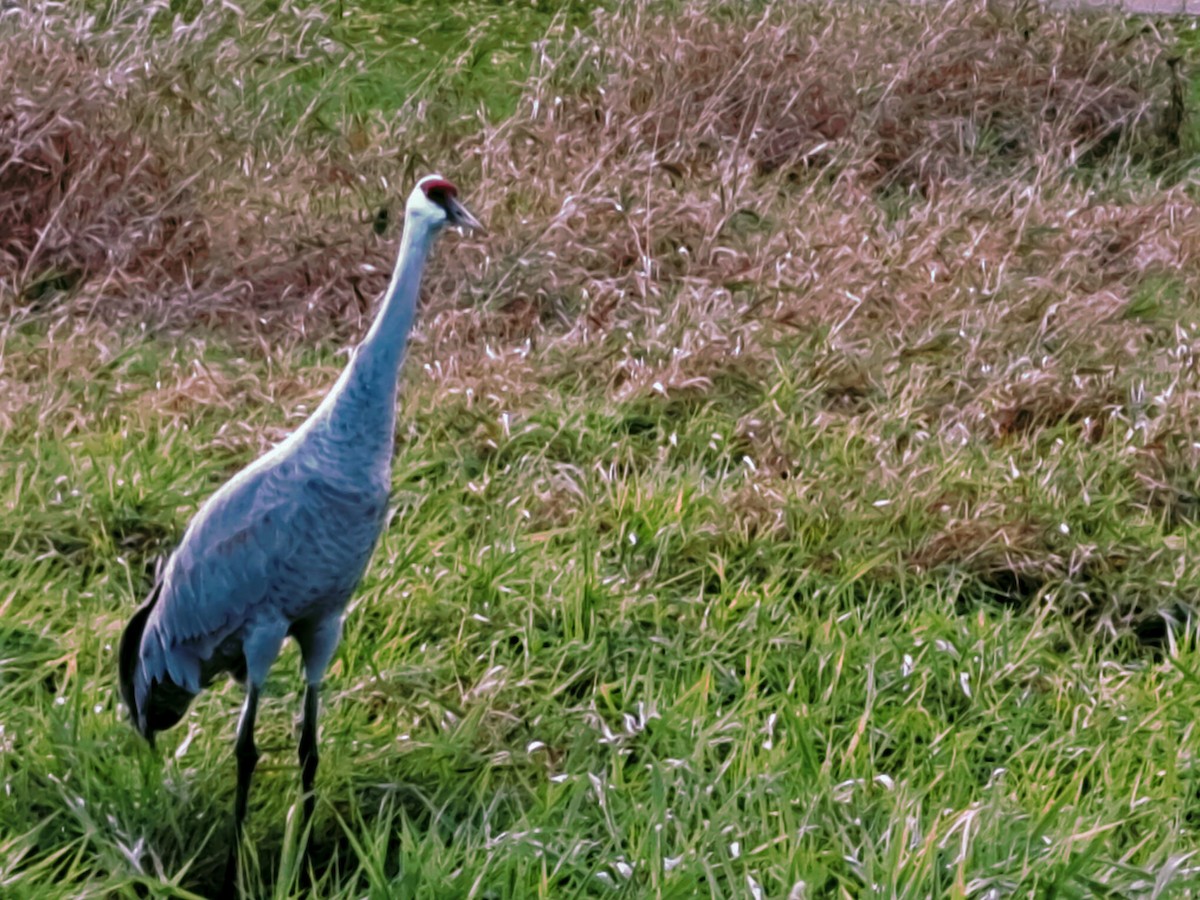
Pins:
<point x="84" y="192"/>
<point x="664" y="155"/>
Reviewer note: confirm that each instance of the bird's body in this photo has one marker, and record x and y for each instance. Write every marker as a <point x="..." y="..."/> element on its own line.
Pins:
<point x="279" y="549"/>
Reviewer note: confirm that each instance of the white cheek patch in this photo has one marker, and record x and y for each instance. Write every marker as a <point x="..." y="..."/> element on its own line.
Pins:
<point x="421" y="205"/>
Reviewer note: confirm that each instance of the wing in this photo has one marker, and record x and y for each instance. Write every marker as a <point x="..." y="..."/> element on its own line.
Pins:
<point x="221" y="575"/>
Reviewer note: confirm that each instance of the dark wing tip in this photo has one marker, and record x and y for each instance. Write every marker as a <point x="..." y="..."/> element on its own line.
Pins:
<point x="130" y="651"/>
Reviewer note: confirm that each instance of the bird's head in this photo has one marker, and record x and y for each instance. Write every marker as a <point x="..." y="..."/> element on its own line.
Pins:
<point x="434" y="201"/>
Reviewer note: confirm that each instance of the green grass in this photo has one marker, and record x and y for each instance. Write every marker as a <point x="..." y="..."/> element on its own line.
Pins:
<point x="485" y="46"/>
<point x="574" y="664"/>
<point x="366" y="58"/>
<point x="834" y="615"/>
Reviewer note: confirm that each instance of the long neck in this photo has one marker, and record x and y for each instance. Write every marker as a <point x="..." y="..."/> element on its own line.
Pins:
<point x="383" y="347"/>
<point x="361" y="409"/>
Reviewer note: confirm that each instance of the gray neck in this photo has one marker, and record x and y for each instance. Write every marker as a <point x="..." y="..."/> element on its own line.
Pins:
<point x="383" y="347"/>
<point x="361" y="412"/>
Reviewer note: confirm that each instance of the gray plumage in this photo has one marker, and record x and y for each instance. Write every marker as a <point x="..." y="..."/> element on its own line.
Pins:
<point x="279" y="549"/>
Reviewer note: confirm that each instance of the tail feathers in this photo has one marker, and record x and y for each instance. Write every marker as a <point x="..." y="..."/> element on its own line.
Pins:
<point x="130" y="652"/>
<point x="164" y="702"/>
<point x="165" y="705"/>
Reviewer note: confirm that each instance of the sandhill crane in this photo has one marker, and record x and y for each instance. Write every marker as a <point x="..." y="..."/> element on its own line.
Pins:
<point x="279" y="548"/>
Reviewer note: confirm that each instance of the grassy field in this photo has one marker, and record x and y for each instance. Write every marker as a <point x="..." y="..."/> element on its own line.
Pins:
<point x="797" y="494"/>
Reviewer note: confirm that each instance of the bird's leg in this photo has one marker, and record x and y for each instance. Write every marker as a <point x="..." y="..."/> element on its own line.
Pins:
<point x="308" y="748"/>
<point x="247" y="758"/>
<point x="318" y="640"/>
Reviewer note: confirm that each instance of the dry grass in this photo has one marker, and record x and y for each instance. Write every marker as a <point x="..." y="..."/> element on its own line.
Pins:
<point x="665" y="151"/>
<point x="84" y="194"/>
<point x="148" y="187"/>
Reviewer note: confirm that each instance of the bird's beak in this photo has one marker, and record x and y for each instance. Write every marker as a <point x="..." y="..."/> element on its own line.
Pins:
<point x="459" y="215"/>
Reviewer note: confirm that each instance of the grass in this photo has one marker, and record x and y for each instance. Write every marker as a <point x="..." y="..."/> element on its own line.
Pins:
<point x="796" y="495"/>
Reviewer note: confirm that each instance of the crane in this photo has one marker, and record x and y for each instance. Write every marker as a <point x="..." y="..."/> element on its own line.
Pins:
<point x="279" y="548"/>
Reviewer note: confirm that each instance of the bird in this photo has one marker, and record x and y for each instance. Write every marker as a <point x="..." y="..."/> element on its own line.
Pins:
<point x="278" y="550"/>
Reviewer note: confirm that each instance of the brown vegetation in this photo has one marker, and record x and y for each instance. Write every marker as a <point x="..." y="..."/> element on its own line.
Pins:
<point x="669" y="154"/>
